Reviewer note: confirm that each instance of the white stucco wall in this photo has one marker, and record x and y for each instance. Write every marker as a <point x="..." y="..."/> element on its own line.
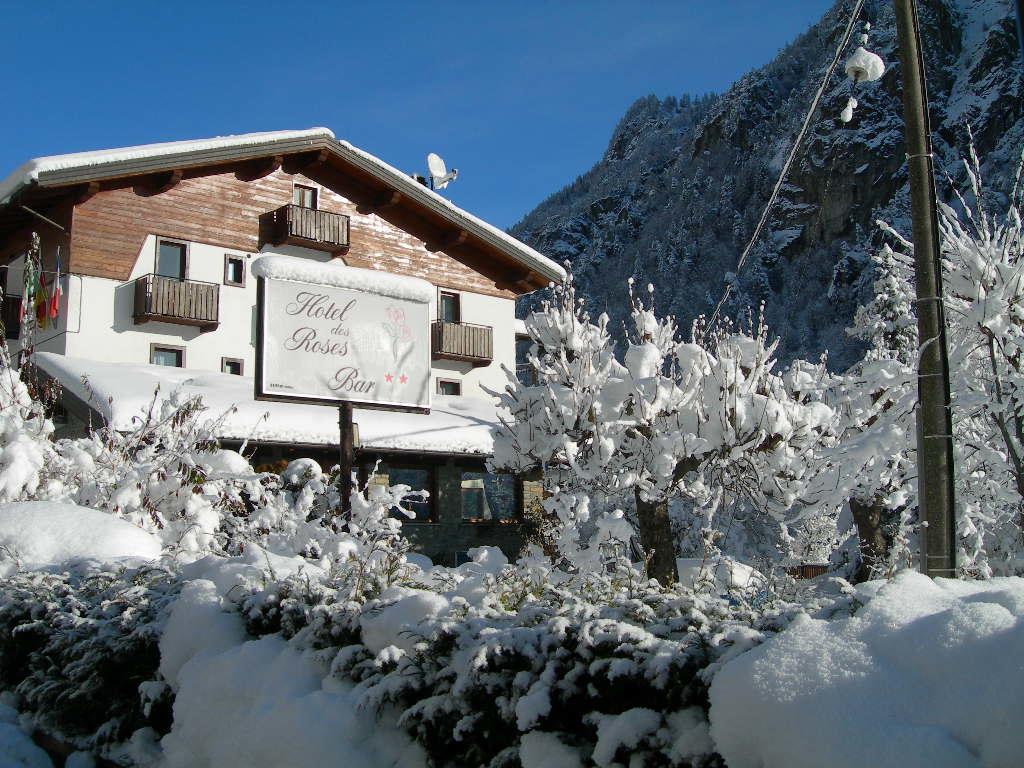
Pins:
<point x="99" y="325"/>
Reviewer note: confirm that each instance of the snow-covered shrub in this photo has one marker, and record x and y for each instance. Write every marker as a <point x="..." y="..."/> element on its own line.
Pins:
<point x="488" y="661"/>
<point x="564" y="422"/>
<point x="25" y="434"/>
<point x="81" y="648"/>
<point x="166" y="475"/>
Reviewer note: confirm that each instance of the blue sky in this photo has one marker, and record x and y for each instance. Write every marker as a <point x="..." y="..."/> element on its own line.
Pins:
<point x="521" y="97"/>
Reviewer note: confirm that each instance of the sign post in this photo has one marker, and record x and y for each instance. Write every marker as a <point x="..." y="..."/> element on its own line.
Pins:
<point x="346" y="458"/>
<point x="333" y="335"/>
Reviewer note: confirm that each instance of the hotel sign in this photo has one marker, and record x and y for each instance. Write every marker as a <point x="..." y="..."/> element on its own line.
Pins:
<point x="329" y="345"/>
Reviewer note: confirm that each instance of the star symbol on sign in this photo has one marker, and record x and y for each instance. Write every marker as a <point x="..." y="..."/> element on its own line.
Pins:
<point x="402" y="379"/>
<point x="388" y="377"/>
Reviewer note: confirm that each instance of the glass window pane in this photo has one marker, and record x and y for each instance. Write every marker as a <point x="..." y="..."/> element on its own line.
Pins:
<point x="418" y="479"/>
<point x="449" y="388"/>
<point x="304" y="196"/>
<point x="487" y="496"/>
<point x="449" y="309"/>
<point x="170" y="260"/>
<point x="235" y="271"/>
<point x="169" y="357"/>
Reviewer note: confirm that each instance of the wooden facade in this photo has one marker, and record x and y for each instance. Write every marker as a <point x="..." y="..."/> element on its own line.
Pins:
<point x="224" y="207"/>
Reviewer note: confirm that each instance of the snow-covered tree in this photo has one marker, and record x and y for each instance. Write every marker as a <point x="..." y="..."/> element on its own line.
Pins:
<point x="707" y="419"/>
<point x="871" y="465"/>
<point x="983" y="272"/>
<point x="564" y="421"/>
<point x="874" y="462"/>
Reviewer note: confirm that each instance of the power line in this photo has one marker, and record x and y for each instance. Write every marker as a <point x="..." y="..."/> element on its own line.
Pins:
<point x="844" y="41"/>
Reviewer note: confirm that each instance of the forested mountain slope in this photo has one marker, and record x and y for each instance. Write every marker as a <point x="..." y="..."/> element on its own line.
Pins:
<point x="683" y="181"/>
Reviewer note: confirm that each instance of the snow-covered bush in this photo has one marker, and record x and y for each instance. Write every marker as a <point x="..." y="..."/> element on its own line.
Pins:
<point x="81" y="649"/>
<point x="25" y="435"/>
<point x="487" y="661"/>
<point x="166" y="475"/>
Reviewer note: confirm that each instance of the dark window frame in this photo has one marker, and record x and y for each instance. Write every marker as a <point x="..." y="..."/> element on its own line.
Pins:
<point x="241" y="365"/>
<point x="314" y="196"/>
<point x="441" y="296"/>
<point x="186" y="258"/>
<point x="457" y="383"/>
<point x="228" y="258"/>
<point x="154" y="346"/>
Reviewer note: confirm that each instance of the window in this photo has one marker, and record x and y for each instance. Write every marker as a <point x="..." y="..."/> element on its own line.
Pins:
<point x="525" y="372"/>
<point x="171" y="259"/>
<point x="448" y="307"/>
<point x="304" y="196"/>
<point x="234" y="270"/>
<point x="446" y="387"/>
<point x="418" y="478"/>
<point x="170" y="356"/>
<point x="487" y="496"/>
<point x="231" y="365"/>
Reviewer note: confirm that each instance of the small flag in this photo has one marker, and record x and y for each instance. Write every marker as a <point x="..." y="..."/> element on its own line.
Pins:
<point x="42" y="302"/>
<point x="55" y="296"/>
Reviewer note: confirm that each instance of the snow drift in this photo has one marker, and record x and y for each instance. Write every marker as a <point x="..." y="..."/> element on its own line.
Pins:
<point x="924" y="674"/>
<point x="40" y="533"/>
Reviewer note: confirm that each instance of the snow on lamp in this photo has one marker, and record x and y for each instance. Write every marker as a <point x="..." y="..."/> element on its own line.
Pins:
<point x="862" y="66"/>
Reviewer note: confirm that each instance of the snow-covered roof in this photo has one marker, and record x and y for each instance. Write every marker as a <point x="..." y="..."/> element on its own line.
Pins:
<point x="121" y="391"/>
<point x="80" y="167"/>
<point x="97" y="161"/>
<point x="343" y="276"/>
<point x="409" y="186"/>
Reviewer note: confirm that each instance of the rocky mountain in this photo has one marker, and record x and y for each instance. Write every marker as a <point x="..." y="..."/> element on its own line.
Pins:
<point x="683" y="181"/>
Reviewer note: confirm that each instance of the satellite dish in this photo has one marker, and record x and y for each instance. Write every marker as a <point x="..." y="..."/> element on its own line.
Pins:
<point x="439" y="173"/>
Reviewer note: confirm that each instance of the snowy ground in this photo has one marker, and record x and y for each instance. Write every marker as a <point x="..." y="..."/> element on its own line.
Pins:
<point x="923" y="674"/>
<point x="927" y="673"/>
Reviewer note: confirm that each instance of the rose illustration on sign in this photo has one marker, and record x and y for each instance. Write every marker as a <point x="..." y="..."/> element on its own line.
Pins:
<point x="396" y="328"/>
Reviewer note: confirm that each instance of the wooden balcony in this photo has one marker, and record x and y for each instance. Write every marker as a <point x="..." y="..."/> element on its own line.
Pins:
<point x="305" y="227"/>
<point x="170" y="300"/>
<point x="462" y="341"/>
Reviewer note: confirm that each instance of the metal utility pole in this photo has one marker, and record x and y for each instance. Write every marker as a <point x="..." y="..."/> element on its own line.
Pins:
<point x="935" y="427"/>
<point x="1020" y="25"/>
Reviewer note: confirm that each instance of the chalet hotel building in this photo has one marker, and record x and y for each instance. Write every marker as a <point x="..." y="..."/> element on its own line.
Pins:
<point x="155" y="246"/>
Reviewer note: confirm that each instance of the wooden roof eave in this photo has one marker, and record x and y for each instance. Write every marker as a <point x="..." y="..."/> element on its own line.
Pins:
<point x="538" y="274"/>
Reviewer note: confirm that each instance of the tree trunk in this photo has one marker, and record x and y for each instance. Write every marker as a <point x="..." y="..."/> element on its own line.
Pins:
<point x="874" y="546"/>
<point x="656" y="538"/>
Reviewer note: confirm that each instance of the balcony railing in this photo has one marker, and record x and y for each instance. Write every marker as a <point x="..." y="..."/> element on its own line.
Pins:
<point x="463" y="341"/>
<point x="306" y="227"/>
<point x="170" y="300"/>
